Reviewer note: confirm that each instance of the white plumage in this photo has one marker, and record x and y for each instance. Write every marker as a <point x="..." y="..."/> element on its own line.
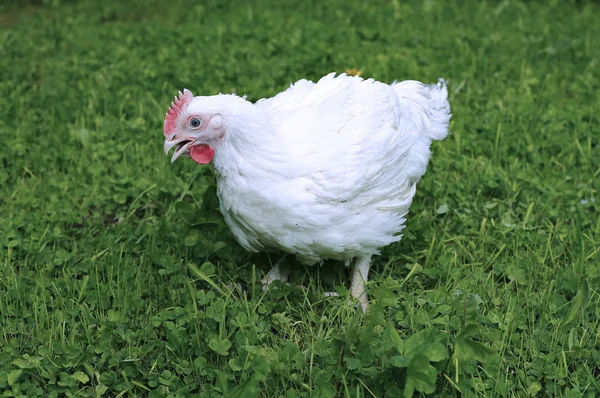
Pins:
<point x="323" y="170"/>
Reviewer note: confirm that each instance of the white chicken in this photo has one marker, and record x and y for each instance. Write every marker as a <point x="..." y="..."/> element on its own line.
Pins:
<point x="323" y="170"/>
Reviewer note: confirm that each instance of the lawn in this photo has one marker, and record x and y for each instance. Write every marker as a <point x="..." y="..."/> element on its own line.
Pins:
<point x="118" y="279"/>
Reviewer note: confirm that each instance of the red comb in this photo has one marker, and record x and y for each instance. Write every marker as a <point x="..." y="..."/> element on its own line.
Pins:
<point x="177" y="106"/>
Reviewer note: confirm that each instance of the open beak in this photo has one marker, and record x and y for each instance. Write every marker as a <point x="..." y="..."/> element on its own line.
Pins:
<point x="181" y="145"/>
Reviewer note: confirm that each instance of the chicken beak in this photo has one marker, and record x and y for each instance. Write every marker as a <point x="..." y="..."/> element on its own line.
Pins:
<point x="180" y="150"/>
<point x="169" y="144"/>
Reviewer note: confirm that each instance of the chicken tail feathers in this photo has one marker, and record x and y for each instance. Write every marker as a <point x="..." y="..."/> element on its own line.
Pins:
<point x="428" y="106"/>
<point x="439" y="110"/>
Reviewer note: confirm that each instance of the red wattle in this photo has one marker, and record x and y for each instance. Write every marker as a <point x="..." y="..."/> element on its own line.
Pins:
<point x="202" y="154"/>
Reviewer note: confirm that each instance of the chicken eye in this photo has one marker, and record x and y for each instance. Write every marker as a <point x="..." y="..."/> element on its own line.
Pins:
<point x="195" y="122"/>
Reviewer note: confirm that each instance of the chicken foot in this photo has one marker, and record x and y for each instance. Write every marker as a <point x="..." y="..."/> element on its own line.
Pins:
<point x="360" y="275"/>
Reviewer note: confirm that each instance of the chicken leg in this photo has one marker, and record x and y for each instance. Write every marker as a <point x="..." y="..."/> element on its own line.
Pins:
<point x="275" y="274"/>
<point x="360" y="275"/>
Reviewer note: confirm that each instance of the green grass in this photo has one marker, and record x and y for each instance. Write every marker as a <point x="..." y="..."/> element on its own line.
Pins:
<point x="112" y="282"/>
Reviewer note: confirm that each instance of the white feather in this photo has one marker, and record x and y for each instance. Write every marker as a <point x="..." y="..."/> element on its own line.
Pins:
<point x="325" y="170"/>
